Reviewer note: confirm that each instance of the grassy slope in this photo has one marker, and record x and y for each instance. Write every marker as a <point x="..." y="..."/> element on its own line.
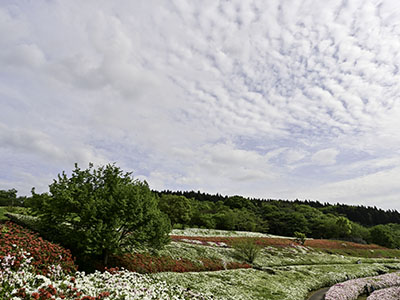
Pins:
<point x="288" y="272"/>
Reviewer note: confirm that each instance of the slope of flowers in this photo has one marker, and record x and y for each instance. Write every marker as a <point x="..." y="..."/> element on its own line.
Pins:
<point x="392" y="293"/>
<point x="44" y="254"/>
<point x="275" y="242"/>
<point x="217" y="232"/>
<point x="18" y="281"/>
<point x="352" y="289"/>
<point x="145" y="263"/>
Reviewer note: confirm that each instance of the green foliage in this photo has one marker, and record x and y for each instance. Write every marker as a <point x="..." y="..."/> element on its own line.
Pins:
<point x="382" y="235"/>
<point x="101" y="212"/>
<point x="344" y="226"/>
<point x="247" y="249"/>
<point x="178" y="208"/>
<point x="300" y="237"/>
<point x="8" y="197"/>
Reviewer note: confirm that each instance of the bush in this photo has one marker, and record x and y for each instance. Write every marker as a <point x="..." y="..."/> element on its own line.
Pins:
<point x="300" y="237"/>
<point x="247" y="249"/>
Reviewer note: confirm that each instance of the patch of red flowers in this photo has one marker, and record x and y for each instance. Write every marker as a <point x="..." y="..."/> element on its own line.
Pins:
<point x="146" y="263"/>
<point x="14" y="238"/>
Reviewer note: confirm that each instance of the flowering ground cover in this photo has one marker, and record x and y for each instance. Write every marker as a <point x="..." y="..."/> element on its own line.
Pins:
<point x="352" y="289"/>
<point x="329" y="246"/>
<point x="18" y="281"/>
<point x="277" y="242"/>
<point x="392" y="293"/>
<point x="278" y="283"/>
<point x="44" y="254"/>
<point x="285" y="271"/>
<point x="146" y="263"/>
<point x="217" y="232"/>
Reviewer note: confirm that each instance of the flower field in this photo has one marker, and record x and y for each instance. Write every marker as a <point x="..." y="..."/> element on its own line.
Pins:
<point x="392" y="293"/>
<point x="352" y="289"/>
<point x="20" y="282"/>
<point x="146" y="263"/>
<point x="33" y="268"/>
<point x="14" y="239"/>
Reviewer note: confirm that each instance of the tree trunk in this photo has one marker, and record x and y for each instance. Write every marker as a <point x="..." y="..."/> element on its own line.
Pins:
<point x="105" y="255"/>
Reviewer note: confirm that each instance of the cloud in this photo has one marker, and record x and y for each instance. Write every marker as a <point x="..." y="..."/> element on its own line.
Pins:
<point x="248" y="97"/>
<point x="325" y="157"/>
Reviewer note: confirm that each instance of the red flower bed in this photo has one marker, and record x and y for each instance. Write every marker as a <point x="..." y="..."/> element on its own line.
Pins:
<point x="329" y="244"/>
<point x="14" y="238"/>
<point x="145" y="263"/>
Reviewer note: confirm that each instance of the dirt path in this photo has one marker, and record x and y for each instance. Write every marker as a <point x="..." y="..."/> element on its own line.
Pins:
<point x="318" y="295"/>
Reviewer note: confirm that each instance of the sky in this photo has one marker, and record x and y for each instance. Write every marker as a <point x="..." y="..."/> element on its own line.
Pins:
<point x="271" y="99"/>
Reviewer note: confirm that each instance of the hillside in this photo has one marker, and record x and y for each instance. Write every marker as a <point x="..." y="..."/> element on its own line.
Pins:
<point x="282" y="217"/>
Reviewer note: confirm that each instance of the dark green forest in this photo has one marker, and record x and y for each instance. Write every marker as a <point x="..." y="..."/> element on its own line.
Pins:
<point x="283" y="217"/>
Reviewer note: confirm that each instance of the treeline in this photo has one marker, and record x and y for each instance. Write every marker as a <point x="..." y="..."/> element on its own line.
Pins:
<point x="10" y="198"/>
<point x="279" y="217"/>
<point x="363" y="215"/>
<point x="282" y="217"/>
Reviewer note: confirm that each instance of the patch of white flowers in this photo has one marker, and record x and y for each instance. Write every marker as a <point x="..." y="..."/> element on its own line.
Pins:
<point x="111" y="285"/>
<point x="221" y="233"/>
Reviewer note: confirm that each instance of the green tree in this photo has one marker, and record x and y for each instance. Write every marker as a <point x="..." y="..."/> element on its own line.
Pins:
<point x="103" y="211"/>
<point x="8" y="198"/>
<point x="178" y="208"/>
<point x="344" y="227"/>
<point x="382" y="235"/>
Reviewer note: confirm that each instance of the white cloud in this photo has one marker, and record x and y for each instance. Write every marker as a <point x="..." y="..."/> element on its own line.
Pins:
<point x="325" y="157"/>
<point x="226" y="96"/>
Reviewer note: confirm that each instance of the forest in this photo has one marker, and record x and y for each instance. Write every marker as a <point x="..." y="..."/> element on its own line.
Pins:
<point x="313" y="219"/>
<point x="283" y="217"/>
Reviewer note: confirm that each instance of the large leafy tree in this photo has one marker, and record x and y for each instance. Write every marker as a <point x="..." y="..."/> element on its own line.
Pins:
<point x="178" y="208"/>
<point x="101" y="212"/>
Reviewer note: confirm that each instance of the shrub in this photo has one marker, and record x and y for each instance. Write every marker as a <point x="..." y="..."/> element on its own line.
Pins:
<point x="300" y="237"/>
<point x="246" y="249"/>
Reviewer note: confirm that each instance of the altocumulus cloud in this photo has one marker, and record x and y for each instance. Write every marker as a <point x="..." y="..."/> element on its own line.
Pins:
<point x="273" y="99"/>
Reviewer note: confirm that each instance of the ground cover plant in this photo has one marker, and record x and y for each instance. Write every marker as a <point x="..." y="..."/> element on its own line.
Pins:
<point x="277" y="283"/>
<point x="385" y="294"/>
<point x="33" y="268"/>
<point x="19" y="281"/>
<point x="329" y="246"/>
<point x="283" y="272"/>
<point x="352" y="289"/>
<point x="15" y="238"/>
<point x="147" y="263"/>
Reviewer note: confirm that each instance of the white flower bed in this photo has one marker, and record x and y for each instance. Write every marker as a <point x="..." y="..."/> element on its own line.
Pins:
<point x="222" y="233"/>
<point x="352" y="289"/>
<point x="392" y="293"/>
<point x="116" y="285"/>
